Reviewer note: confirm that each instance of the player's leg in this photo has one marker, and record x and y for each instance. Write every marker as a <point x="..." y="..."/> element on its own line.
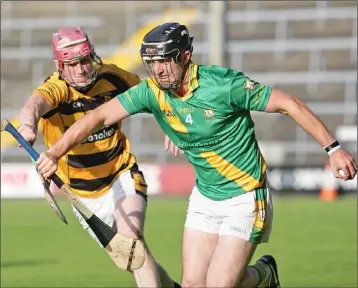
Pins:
<point x="199" y="240"/>
<point x="229" y="261"/>
<point x="264" y="270"/>
<point x="102" y="207"/>
<point x="198" y="248"/>
<point x="233" y="251"/>
<point x="130" y="217"/>
<point x="247" y="223"/>
<point x="130" y="224"/>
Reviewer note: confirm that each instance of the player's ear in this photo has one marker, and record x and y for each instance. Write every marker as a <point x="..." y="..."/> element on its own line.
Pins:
<point x="186" y="56"/>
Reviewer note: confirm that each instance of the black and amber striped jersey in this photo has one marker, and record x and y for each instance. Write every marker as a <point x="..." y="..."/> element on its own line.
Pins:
<point x="91" y="167"/>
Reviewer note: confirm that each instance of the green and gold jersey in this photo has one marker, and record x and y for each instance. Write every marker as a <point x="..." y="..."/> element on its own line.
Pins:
<point x="212" y="125"/>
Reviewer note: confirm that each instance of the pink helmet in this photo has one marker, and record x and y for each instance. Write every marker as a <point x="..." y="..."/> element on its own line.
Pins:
<point x="71" y="45"/>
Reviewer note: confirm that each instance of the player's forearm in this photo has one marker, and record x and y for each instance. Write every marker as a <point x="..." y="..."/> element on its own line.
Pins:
<point x="34" y="108"/>
<point x="76" y="134"/>
<point x="29" y="116"/>
<point x="305" y="118"/>
<point x="281" y="102"/>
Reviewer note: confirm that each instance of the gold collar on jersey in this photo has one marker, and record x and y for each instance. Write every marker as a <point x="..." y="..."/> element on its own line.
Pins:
<point x="193" y="82"/>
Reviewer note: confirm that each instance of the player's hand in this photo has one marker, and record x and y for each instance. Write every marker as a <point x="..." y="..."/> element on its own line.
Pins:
<point x="45" y="180"/>
<point x="48" y="182"/>
<point x="343" y="165"/>
<point x="46" y="164"/>
<point x="168" y="144"/>
<point x="28" y="132"/>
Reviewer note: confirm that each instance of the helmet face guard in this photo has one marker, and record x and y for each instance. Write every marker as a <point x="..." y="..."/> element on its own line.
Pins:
<point x="75" y="57"/>
<point x="165" y="44"/>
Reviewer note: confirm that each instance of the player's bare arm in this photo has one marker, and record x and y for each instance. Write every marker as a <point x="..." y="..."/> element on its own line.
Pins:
<point x="281" y="102"/>
<point x="30" y="114"/>
<point x="105" y="115"/>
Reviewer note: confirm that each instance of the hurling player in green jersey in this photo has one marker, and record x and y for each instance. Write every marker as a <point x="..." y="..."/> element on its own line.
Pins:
<point x="205" y="111"/>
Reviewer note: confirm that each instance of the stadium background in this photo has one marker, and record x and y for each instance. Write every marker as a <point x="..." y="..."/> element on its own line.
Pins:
<point x="308" y="48"/>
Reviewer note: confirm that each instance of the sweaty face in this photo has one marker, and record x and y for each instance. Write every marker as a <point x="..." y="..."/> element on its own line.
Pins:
<point x="79" y="73"/>
<point x="166" y="72"/>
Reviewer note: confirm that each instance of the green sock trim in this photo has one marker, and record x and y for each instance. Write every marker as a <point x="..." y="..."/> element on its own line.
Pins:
<point x="261" y="270"/>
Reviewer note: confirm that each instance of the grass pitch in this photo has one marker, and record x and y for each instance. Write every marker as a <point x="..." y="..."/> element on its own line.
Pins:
<point x="315" y="244"/>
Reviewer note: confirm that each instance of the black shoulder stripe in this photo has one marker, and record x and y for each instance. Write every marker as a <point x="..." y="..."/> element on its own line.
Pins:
<point x="50" y="113"/>
<point x="116" y="81"/>
<point x="86" y="105"/>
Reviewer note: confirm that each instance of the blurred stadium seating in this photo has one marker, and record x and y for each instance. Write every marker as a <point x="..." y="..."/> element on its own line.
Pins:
<point x="308" y="48"/>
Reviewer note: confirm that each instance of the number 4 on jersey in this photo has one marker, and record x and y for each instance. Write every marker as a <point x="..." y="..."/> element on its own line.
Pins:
<point x="188" y="119"/>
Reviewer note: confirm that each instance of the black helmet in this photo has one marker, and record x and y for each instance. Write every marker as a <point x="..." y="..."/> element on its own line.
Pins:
<point x="166" y="40"/>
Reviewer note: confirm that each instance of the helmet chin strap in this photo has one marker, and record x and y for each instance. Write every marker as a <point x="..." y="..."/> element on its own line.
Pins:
<point x="169" y="87"/>
<point x="87" y="87"/>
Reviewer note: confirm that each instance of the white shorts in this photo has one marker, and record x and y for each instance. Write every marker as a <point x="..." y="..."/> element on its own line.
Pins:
<point x="104" y="206"/>
<point x="247" y="216"/>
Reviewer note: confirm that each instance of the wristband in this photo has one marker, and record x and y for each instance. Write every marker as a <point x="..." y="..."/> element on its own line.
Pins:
<point x="330" y="149"/>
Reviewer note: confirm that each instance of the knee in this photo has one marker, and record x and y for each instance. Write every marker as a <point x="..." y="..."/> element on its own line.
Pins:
<point x="188" y="282"/>
<point x="134" y="233"/>
<point x="130" y="228"/>
<point x="130" y="217"/>
<point x="221" y="280"/>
